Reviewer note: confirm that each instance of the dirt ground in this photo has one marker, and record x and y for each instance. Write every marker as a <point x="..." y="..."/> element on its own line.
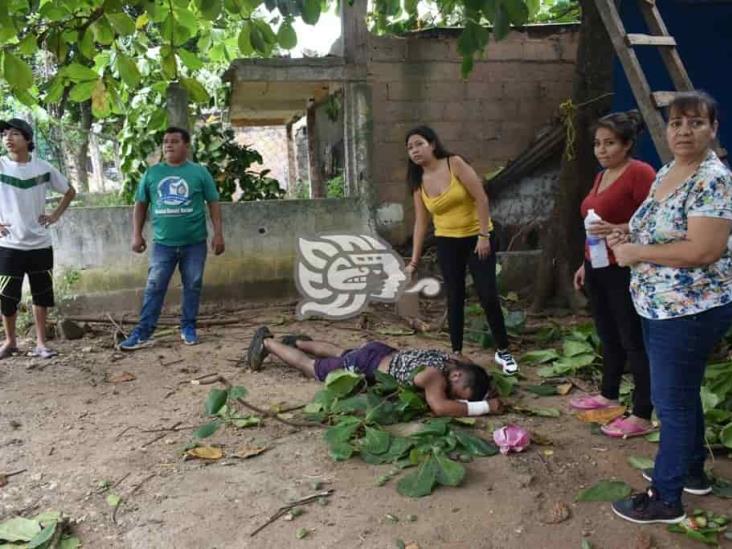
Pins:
<point x="72" y="424"/>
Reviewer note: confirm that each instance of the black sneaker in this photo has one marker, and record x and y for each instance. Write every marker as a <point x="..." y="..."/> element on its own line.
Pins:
<point x="647" y="508"/>
<point x="697" y="485"/>
<point x="256" y="352"/>
<point x="292" y="339"/>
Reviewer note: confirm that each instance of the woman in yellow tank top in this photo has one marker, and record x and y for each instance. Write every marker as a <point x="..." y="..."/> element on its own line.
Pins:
<point x="445" y="187"/>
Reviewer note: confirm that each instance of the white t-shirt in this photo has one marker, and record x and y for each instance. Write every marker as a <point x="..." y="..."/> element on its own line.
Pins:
<point x="23" y="187"/>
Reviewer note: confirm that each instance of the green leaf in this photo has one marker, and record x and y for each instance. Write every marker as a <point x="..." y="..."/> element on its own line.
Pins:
<point x="476" y="446"/>
<point x="244" y="422"/>
<point x="342" y="382"/>
<point x="310" y="11"/>
<point x="420" y="482"/>
<point x="385" y="383"/>
<point x="82" y="91"/>
<point x="189" y="59"/>
<point x="215" y="400"/>
<point x="605" y="490"/>
<point x="121" y="23"/>
<point x="103" y="32"/>
<point x="540" y="357"/>
<point x="79" y="73"/>
<point x="504" y="384"/>
<point x="501" y="23"/>
<point x="237" y="391"/>
<point x="640" y="462"/>
<point x="517" y="11"/>
<point x="158" y="119"/>
<point x="195" y="89"/>
<point x="542" y="390"/>
<point x="725" y="435"/>
<point x="572" y="347"/>
<point x="586" y="544"/>
<point x="340" y="451"/>
<point x="208" y="429"/>
<point x="113" y="500"/>
<point x="434" y="427"/>
<point x="48" y="517"/>
<point x="169" y="65"/>
<point x="655" y="436"/>
<point x="544" y="412"/>
<point x="28" y="46"/>
<point x="375" y="441"/>
<point x="19" y="529"/>
<point x="43" y="536"/>
<point x="449" y="472"/>
<point x="245" y="41"/>
<point x="210" y="9"/>
<point x="86" y="44"/>
<point x="286" y="36"/>
<point x="17" y="72"/>
<point x="302" y="533"/>
<point x="128" y="71"/>
<point x="70" y="542"/>
<point x="343" y="431"/>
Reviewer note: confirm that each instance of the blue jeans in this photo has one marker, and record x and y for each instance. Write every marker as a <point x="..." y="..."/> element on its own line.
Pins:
<point x="191" y="260"/>
<point x="678" y="350"/>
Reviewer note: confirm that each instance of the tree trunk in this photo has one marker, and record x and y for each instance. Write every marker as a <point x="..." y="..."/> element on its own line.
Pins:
<point x="81" y="155"/>
<point x="97" y="164"/>
<point x="176" y="103"/>
<point x="562" y="247"/>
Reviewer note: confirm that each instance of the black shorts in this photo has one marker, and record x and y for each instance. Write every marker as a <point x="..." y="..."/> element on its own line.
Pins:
<point x="14" y="265"/>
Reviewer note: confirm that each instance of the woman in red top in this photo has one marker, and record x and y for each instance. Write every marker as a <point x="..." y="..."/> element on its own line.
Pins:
<point x="618" y="191"/>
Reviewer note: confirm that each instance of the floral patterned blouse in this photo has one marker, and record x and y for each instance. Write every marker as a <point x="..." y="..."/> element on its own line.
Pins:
<point x="661" y="292"/>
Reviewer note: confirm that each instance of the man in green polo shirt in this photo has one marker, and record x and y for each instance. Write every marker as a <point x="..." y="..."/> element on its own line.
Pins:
<point x="175" y="191"/>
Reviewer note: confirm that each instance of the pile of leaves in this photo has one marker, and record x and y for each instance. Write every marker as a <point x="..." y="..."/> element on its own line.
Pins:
<point x="479" y="332"/>
<point x="580" y="353"/>
<point x="49" y="530"/>
<point x="716" y="396"/>
<point x="703" y="526"/>
<point x="356" y="419"/>
<point x="220" y="407"/>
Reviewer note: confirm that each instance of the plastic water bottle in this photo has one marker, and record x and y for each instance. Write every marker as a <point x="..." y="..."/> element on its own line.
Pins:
<point x="596" y="244"/>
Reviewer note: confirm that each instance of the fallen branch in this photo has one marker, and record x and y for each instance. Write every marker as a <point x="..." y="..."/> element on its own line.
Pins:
<point x="163" y="322"/>
<point x="163" y="435"/>
<point x="119" y="328"/>
<point x="260" y="411"/>
<point x="285" y="508"/>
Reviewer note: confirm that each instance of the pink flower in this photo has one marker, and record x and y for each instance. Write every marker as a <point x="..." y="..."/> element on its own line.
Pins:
<point x="511" y="437"/>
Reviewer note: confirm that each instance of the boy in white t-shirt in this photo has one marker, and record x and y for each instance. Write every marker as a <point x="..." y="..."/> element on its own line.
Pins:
<point x="25" y="241"/>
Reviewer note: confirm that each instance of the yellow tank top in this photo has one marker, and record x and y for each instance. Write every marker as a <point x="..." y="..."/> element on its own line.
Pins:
<point x="453" y="211"/>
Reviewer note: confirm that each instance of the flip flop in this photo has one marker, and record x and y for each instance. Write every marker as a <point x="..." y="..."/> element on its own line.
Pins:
<point x="7" y="352"/>
<point x="43" y="352"/>
<point x="590" y="402"/>
<point x="256" y="352"/>
<point x="623" y="427"/>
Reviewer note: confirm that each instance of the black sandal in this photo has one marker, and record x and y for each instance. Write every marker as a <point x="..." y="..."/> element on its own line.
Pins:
<point x="256" y="353"/>
<point x="7" y="351"/>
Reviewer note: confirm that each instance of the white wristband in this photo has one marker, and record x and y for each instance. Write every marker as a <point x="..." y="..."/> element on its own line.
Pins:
<point x="478" y="407"/>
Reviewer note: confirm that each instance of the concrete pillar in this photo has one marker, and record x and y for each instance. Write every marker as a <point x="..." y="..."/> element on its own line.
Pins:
<point x="317" y="184"/>
<point x="291" y="164"/>
<point x="176" y="103"/>
<point x="357" y="130"/>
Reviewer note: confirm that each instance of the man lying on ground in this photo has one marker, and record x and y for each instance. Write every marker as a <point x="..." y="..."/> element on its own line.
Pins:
<point x="452" y="387"/>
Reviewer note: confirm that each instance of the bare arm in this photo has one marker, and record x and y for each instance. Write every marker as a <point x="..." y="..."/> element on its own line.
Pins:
<point x="139" y="214"/>
<point x="435" y="391"/>
<point x="217" y="243"/>
<point x="705" y="242"/>
<point x="470" y="180"/>
<point x="421" y="220"/>
<point x="60" y="209"/>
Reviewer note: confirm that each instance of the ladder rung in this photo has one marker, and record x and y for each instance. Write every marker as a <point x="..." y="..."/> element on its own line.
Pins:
<point x="649" y="40"/>
<point x="663" y="98"/>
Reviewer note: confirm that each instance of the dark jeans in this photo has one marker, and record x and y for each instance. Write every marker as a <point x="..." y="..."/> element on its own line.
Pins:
<point x="456" y="255"/>
<point x="678" y="349"/>
<point x="191" y="260"/>
<point x="619" y="328"/>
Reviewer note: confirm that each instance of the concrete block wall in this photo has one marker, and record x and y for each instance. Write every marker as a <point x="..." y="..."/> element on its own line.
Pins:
<point x="258" y="262"/>
<point x="490" y="118"/>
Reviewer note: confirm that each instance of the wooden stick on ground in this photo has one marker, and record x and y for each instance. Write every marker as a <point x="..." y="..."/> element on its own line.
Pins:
<point x="285" y="508"/>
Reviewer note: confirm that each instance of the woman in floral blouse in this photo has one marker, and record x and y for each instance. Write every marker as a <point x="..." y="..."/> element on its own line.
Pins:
<point x="681" y="286"/>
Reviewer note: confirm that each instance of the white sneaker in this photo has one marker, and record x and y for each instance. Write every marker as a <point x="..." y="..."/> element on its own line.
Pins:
<point x="506" y="361"/>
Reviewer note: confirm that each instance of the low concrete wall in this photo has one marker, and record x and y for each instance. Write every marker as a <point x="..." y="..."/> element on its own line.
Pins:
<point x="258" y="262"/>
